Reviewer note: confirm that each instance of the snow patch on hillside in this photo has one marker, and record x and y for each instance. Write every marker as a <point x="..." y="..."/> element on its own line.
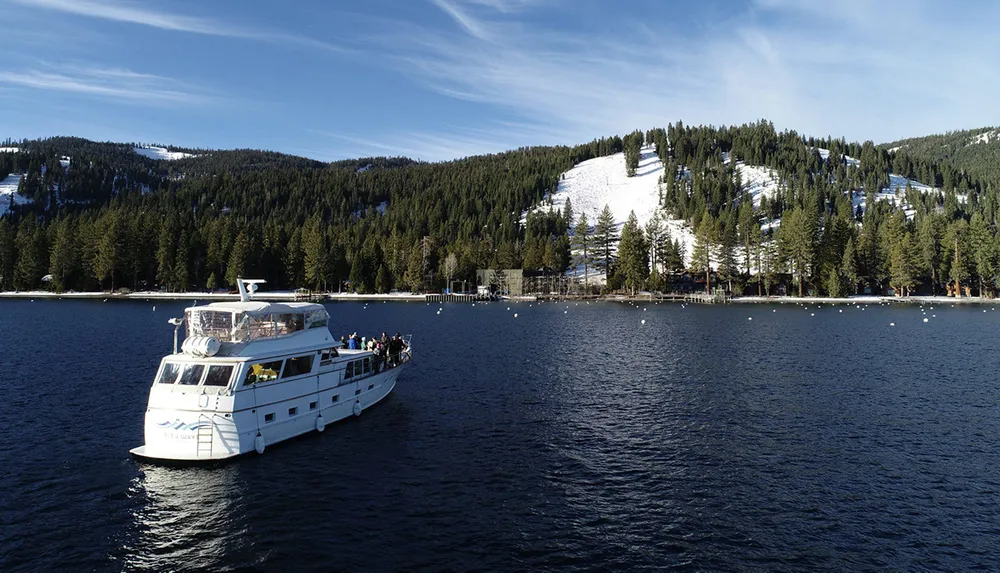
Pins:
<point x="601" y="181"/>
<point x="8" y="190"/>
<point x="985" y="137"/>
<point x="154" y="152"/>
<point x="758" y="181"/>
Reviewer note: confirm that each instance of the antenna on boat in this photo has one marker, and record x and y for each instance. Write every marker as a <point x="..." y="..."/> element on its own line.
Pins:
<point x="177" y="322"/>
<point x="247" y="287"/>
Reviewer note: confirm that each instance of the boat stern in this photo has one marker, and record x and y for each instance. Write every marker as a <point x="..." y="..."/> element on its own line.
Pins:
<point x="188" y="436"/>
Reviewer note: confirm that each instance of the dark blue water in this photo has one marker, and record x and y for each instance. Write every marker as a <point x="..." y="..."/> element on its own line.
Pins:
<point x="573" y="437"/>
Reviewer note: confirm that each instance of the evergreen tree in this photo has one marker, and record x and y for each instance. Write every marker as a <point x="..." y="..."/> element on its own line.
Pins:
<point x="7" y="258"/>
<point x="633" y="255"/>
<point x="849" y="268"/>
<point x="28" y="244"/>
<point x="982" y="251"/>
<point x="237" y="267"/>
<point x="64" y="256"/>
<point x="606" y="239"/>
<point x="796" y="244"/>
<point x="582" y="241"/>
<point x="904" y="258"/>
<point x="701" y="254"/>
<point x="956" y="240"/>
<point x="929" y="234"/>
<point x="316" y="252"/>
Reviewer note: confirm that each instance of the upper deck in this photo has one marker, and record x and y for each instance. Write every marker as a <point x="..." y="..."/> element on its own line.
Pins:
<point x="251" y="321"/>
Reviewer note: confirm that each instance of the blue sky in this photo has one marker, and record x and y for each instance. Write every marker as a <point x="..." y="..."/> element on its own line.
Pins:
<point x="440" y="79"/>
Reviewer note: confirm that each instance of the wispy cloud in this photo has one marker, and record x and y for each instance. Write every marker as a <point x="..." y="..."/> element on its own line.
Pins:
<point x="109" y="83"/>
<point x="878" y="71"/>
<point x="134" y="14"/>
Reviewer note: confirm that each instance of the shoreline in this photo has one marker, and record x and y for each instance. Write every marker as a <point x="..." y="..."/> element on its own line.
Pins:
<point x="437" y="297"/>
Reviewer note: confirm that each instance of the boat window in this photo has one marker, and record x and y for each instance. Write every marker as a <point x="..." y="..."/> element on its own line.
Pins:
<point x="169" y="373"/>
<point x="264" y="372"/>
<point x="298" y="366"/>
<point x="368" y="365"/>
<point x="327" y="356"/>
<point x="349" y="371"/>
<point x="218" y="375"/>
<point x="191" y="374"/>
<point x="269" y="417"/>
<point x="293" y="411"/>
<point x="288" y="323"/>
<point x="312" y="405"/>
<point x="359" y="366"/>
<point x="317" y="318"/>
<point x="336" y="398"/>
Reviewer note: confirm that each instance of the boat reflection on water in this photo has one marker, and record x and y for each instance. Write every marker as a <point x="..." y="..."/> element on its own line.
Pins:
<point x="190" y="518"/>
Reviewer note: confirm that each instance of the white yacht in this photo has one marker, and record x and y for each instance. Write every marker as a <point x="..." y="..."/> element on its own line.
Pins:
<point x="254" y="373"/>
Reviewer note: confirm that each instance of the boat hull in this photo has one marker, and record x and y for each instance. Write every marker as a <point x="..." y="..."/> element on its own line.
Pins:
<point x="260" y="421"/>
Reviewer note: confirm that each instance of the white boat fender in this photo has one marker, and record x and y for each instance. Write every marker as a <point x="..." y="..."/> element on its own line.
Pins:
<point x="320" y="423"/>
<point x="357" y="408"/>
<point x="258" y="444"/>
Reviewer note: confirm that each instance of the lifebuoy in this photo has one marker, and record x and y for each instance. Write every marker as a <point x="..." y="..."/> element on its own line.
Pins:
<point x="258" y="444"/>
<point x="320" y="423"/>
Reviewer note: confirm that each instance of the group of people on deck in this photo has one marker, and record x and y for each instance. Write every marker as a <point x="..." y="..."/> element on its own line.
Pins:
<point x="385" y="351"/>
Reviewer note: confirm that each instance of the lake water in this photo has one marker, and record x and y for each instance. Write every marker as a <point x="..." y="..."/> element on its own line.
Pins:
<point x="573" y="437"/>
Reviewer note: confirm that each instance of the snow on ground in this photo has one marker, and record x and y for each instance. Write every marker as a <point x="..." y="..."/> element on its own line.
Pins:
<point x="602" y="181"/>
<point x="825" y="154"/>
<point x="154" y="152"/>
<point x="758" y="181"/>
<point x="897" y="182"/>
<point x="64" y="161"/>
<point x="985" y="137"/>
<point x="10" y="149"/>
<point x="8" y="189"/>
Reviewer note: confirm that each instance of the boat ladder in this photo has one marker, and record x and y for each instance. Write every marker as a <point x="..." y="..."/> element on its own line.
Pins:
<point x="204" y="437"/>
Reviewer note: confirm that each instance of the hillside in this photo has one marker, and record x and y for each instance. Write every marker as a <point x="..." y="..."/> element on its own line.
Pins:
<point x="976" y="151"/>
<point x="747" y="206"/>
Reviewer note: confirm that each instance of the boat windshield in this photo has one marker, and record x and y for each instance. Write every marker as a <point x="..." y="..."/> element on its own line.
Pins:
<point x="229" y="326"/>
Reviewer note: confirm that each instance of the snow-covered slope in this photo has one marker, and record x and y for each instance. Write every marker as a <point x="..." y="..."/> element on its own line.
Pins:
<point x="154" y="152"/>
<point x="602" y="181"/>
<point x="8" y="189"/>
<point x="758" y="181"/>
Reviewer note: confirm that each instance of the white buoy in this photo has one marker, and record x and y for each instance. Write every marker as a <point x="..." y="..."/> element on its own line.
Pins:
<point x="892" y="324"/>
<point x="841" y="310"/>
<point x="749" y="318"/>
<point x="515" y="315"/>
<point x="812" y="314"/>
<point x="154" y="308"/>
<point x="926" y="319"/>
<point x="643" y="321"/>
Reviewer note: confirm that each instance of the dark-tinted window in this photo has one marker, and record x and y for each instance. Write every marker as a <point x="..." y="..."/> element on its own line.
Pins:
<point x="298" y="366"/>
<point x="269" y="417"/>
<point x="336" y="398"/>
<point x="368" y="365"/>
<point x="293" y="411"/>
<point x="264" y="372"/>
<point x="349" y="372"/>
<point x="218" y="375"/>
<point x="191" y="374"/>
<point x="169" y="374"/>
